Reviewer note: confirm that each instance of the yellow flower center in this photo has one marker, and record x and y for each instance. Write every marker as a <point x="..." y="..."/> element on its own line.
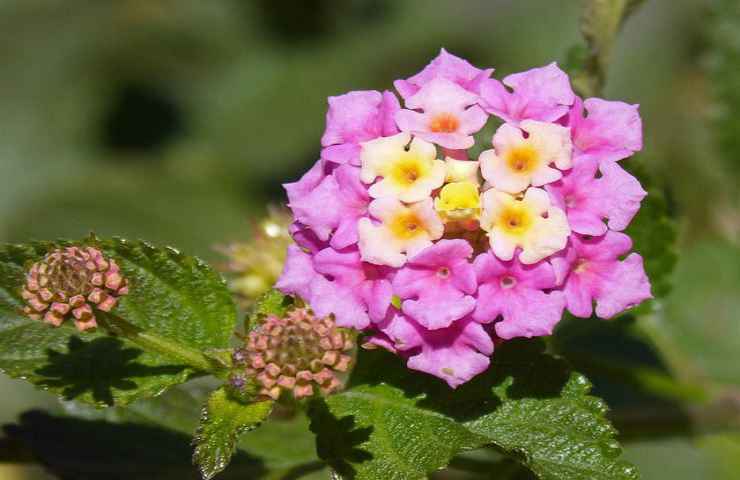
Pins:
<point x="515" y="220"/>
<point x="444" y="123"/>
<point x="522" y="159"/>
<point x="408" y="169"/>
<point x="406" y="225"/>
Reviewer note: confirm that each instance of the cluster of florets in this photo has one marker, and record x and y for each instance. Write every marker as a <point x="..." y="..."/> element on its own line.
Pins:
<point x="437" y="254"/>
<point x="72" y="282"/>
<point x="299" y="353"/>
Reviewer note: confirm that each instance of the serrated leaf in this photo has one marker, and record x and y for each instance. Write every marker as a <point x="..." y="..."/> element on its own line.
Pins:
<point x="172" y="295"/>
<point x="223" y="420"/>
<point x="397" y="424"/>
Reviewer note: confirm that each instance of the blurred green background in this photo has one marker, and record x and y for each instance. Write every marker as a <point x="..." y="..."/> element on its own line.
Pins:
<point x="177" y="120"/>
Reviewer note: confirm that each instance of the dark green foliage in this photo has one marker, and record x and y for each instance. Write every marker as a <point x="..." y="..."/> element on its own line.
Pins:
<point x="172" y="295"/>
<point x="396" y="424"/>
<point x="223" y="420"/>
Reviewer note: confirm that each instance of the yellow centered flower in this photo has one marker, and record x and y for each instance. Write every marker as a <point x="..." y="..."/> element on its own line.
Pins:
<point x="531" y="224"/>
<point x="408" y="171"/>
<point x="516" y="162"/>
<point x="403" y="230"/>
<point x="458" y="201"/>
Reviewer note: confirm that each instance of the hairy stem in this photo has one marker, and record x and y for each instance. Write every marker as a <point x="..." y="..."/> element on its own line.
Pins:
<point x="155" y="343"/>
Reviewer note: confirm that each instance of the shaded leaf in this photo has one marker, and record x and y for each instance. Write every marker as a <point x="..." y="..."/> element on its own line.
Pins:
<point x="222" y="421"/>
<point x="171" y="295"/>
<point x="179" y="409"/>
<point x="394" y="423"/>
<point x="77" y="449"/>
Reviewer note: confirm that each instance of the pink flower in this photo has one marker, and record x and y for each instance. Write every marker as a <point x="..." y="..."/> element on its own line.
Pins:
<point x="298" y="274"/>
<point x="542" y="93"/>
<point x="447" y="66"/>
<point x="455" y="354"/>
<point x="444" y="117"/>
<point x="325" y="297"/>
<point x="611" y="131"/>
<point x="590" y="270"/>
<point x="310" y="198"/>
<point x="515" y="292"/>
<point x="305" y="238"/>
<point x="437" y="283"/>
<point x="357" y="117"/>
<point x="588" y="200"/>
<point x="368" y="284"/>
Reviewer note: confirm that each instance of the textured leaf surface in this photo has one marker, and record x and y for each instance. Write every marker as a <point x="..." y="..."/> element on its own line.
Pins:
<point x="392" y="423"/>
<point x="172" y="295"/>
<point x="222" y="421"/>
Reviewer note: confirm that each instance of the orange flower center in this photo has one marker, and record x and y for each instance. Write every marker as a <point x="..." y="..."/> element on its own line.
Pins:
<point x="444" y="123"/>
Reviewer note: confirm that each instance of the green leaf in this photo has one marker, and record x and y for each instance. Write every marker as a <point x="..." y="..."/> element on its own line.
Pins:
<point x="178" y="409"/>
<point x="272" y="302"/>
<point x="224" y="418"/>
<point x="397" y="424"/>
<point x="174" y="296"/>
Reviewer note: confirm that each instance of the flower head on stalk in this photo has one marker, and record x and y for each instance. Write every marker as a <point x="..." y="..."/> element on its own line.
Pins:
<point x="437" y="253"/>
<point x="298" y="353"/>
<point x="70" y="283"/>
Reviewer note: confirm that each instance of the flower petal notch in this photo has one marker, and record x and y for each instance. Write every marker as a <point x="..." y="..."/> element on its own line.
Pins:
<point x="408" y="169"/>
<point x="444" y="113"/>
<point x="590" y="271"/>
<point x="519" y="161"/>
<point x="610" y="132"/>
<point x="71" y="283"/>
<point x="542" y="93"/>
<point x="436" y="254"/>
<point x="436" y="284"/>
<point x="357" y="117"/>
<point x="531" y="224"/>
<point x="402" y="230"/>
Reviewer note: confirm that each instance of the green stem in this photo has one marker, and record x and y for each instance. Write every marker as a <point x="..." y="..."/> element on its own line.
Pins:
<point x="152" y="342"/>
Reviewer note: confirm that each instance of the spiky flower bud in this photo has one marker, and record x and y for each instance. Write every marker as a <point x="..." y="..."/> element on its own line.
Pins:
<point x="69" y="283"/>
<point x="298" y="353"/>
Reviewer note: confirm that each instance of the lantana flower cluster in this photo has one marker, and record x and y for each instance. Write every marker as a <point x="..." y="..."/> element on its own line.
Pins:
<point x="440" y="255"/>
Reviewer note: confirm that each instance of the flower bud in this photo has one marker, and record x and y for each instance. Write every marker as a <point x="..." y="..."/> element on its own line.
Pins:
<point x="72" y="282"/>
<point x="298" y="353"/>
<point x="256" y="264"/>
